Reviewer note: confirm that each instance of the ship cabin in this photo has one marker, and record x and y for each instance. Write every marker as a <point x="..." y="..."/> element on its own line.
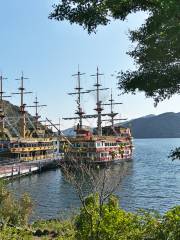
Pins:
<point x="99" y="149"/>
<point x="33" y="149"/>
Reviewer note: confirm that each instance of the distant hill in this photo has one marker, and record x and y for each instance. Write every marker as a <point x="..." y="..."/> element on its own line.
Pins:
<point x="13" y="116"/>
<point x="166" y="125"/>
<point x="69" y="132"/>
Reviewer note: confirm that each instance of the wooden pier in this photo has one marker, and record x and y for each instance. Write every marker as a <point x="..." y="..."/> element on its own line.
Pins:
<point x="25" y="168"/>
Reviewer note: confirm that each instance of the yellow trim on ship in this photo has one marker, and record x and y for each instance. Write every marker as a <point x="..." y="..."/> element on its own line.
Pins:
<point x="31" y="149"/>
<point x="40" y="157"/>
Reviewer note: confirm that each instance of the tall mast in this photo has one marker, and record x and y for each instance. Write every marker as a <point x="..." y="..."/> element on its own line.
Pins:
<point x="22" y="106"/>
<point x="78" y="92"/>
<point x="112" y="113"/>
<point x="98" y="108"/>
<point x="79" y="112"/>
<point x="37" y="116"/>
<point x="2" y="114"/>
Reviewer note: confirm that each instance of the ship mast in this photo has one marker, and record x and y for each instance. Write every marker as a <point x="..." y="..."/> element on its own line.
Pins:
<point x="22" y="106"/>
<point x="2" y="114"/>
<point x="78" y="92"/>
<point x="112" y="114"/>
<point x="98" y="108"/>
<point x="37" y="116"/>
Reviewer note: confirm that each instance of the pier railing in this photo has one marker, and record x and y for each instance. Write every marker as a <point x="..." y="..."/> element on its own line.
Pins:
<point x="17" y="168"/>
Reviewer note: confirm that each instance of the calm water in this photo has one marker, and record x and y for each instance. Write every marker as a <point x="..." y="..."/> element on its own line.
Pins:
<point x="150" y="181"/>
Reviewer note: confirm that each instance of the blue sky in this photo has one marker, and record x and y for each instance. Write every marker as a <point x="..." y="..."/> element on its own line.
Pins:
<point x="48" y="52"/>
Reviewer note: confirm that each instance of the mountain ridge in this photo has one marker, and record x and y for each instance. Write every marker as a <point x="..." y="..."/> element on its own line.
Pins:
<point x="164" y="125"/>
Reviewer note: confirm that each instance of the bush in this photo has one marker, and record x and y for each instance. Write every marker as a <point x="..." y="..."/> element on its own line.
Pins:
<point x="12" y="233"/>
<point x="13" y="212"/>
<point x="110" y="222"/>
<point x="95" y="221"/>
<point x="61" y="230"/>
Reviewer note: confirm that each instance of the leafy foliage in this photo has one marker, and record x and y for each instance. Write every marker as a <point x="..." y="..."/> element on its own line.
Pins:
<point x="113" y="223"/>
<point x="99" y="222"/>
<point x="92" y="13"/>
<point x="157" y="50"/>
<point x="13" y="212"/>
<point x="157" y="54"/>
<point x="13" y="233"/>
<point x="110" y="222"/>
<point x="171" y="224"/>
<point x="62" y="230"/>
<point x="175" y="154"/>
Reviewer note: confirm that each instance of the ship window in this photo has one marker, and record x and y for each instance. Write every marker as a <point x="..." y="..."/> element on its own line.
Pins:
<point x="103" y="154"/>
<point x="91" y="144"/>
<point x="98" y="144"/>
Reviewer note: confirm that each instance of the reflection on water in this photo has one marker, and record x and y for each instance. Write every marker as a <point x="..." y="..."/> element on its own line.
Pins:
<point x="151" y="180"/>
<point x="101" y="179"/>
<point x="53" y="195"/>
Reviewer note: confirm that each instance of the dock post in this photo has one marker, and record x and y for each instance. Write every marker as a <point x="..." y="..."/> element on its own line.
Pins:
<point x="12" y="171"/>
<point x="39" y="166"/>
<point x="19" y="170"/>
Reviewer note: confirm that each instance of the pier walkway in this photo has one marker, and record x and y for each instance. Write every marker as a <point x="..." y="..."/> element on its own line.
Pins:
<point x="10" y="169"/>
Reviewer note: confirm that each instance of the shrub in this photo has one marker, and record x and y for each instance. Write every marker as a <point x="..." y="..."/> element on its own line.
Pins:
<point x="13" y="212"/>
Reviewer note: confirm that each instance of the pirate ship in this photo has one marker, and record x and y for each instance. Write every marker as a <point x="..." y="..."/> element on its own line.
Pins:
<point x="111" y="143"/>
<point x="27" y="143"/>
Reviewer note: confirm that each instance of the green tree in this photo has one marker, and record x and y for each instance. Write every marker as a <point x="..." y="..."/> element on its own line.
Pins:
<point x="12" y="211"/>
<point x="157" y="50"/>
<point x="114" y="223"/>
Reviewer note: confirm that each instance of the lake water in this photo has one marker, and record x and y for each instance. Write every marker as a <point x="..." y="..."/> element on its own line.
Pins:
<point x="150" y="181"/>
